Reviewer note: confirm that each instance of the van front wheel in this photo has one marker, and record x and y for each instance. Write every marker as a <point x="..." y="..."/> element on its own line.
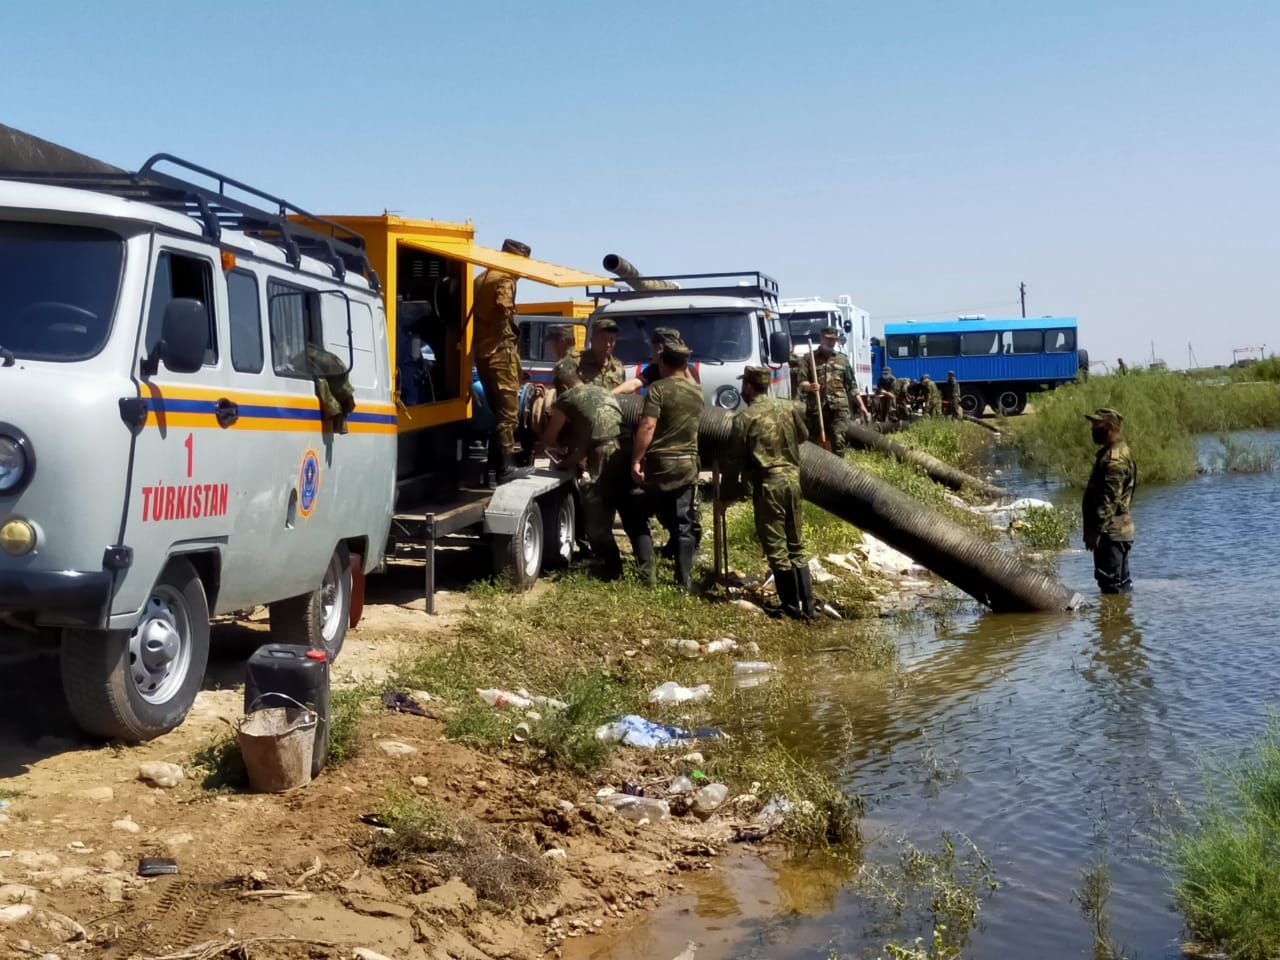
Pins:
<point x="135" y="685"/>
<point x="318" y="619"/>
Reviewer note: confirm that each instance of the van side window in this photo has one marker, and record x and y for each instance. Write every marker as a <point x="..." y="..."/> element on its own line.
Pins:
<point x="245" y="308"/>
<point x="179" y="276"/>
<point x="364" y="369"/>
<point x="294" y="316"/>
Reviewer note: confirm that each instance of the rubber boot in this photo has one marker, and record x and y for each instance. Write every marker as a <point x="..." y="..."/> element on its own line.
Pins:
<point x="508" y="471"/>
<point x="684" y="564"/>
<point x="804" y="589"/>
<point x="785" y="582"/>
<point x="645" y="561"/>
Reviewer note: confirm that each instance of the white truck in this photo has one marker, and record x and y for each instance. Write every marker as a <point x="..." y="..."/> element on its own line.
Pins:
<point x="729" y="320"/>
<point x="805" y="317"/>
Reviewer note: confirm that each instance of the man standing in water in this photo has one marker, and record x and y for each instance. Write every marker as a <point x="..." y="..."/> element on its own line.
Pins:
<point x="1108" y="524"/>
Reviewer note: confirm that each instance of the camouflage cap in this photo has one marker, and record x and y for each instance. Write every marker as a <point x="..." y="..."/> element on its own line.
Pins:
<point x="951" y="373"/>
<point x="830" y="331"/>
<point x="560" y="331"/>
<point x="676" y="353"/>
<point x="885" y="370"/>
<point x="1104" y="415"/>
<point x="756" y="376"/>
<point x="924" y="377"/>
<point x="665" y="335"/>
<point x="605" y="325"/>
<point x="516" y="247"/>
<point x="566" y="370"/>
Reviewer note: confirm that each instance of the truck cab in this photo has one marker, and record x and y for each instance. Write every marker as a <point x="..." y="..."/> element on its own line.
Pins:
<point x="729" y="320"/>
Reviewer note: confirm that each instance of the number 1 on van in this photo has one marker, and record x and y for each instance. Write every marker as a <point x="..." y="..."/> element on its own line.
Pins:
<point x="189" y="443"/>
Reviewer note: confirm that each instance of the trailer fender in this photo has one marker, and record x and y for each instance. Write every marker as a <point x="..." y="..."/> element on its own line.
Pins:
<point x="511" y="499"/>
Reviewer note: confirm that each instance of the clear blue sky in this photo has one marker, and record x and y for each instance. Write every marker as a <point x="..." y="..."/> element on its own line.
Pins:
<point x="1121" y="158"/>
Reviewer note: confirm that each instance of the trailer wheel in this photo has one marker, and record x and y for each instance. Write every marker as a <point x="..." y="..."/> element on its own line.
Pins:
<point x="518" y="558"/>
<point x="1010" y="401"/>
<point x="560" y="525"/>
<point x="135" y="685"/>
<point x="318" y="619"/>
<point x="972" y="402"/>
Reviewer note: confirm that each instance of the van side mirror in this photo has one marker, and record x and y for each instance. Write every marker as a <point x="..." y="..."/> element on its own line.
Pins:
<point x="848" y="326"/>
<point x="184" y="335"/>
<point x="779" y="347"/>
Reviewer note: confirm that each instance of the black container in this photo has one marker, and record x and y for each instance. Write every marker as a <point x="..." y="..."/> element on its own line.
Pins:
<point x="280" y="673"/>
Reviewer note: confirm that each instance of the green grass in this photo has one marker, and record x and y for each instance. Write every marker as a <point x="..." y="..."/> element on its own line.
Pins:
<point x="915" y="483"/>
<point x="1094" y="897"/>
<point x="566" y="738"/>
<point x="957" y="442"/>
<point x="220" y="765"/>
<point x="11" y="793"/>
<point x="1244" y="456"/>
<point x="347" y="707"/>
<point x="1163" y="412"/>
<point x="1227" y="864"/>
<point x="1045" y="528"/>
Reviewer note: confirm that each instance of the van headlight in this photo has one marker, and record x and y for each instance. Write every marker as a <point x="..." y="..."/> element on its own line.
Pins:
<point x="15" y="463"/>
<point x="728" y="398"/>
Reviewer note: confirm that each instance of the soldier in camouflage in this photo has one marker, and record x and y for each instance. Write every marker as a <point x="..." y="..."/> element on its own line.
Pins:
<point x="664" y="465"/>
<point x="902" y="398"/>
<point x="885" y="389"/>
<point x="835" y="388"/>
<point x="932" y="396"/>
<point x="951" y="393"/>
<point x="585" y="423"/>
<point x="598" y="365"/>
<point x="560" y="342"/>
<point x="497" y="358"/>
<point x="764" y="452"/>
<point x="1108" y="499"/>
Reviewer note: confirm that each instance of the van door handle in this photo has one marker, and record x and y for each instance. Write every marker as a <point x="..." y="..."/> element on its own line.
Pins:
<point x="227" y="412"/>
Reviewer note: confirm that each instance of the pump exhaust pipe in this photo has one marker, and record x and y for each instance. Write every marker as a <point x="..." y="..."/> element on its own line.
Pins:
<point x="20" y="152"/>
<point x="625" y="271"/>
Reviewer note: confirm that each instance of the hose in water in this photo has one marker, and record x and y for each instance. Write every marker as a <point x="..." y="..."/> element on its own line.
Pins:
<point x="993" y="577"/>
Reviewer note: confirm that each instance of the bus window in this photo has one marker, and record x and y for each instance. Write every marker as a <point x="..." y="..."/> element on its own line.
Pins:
<point x="1024" y="341"/>
<point x="980" y="344"/>
<point x="1059" y="341"/>
<point x="939" y="344"/>
<point x="899" y="346"/>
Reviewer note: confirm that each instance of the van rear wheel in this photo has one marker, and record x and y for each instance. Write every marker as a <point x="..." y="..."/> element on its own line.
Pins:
<point x="135" y="685"/>
<point x="318" y="619"/>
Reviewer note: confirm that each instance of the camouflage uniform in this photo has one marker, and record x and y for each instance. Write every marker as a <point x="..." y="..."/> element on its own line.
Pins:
<point x="593" y="424"/>
<point x="611" y="374"/>
<point x="952" y="388"/>
<point x="1106" y="508"/>
<point x="884" y="394"/>
<point x="836" y="388"/>
<point x="671" y="476"/>
<point x="496" y="357"/>
<point x="932" y="399"/>
<point x="902" y="398"/>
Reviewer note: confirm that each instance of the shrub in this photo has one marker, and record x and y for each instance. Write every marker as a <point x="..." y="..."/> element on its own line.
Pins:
<point x="1045" y="528"/>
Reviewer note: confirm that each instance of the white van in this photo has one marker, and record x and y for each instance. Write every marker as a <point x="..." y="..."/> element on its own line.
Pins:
<point x="165" y="455"/>
<point x="729" y="320"/>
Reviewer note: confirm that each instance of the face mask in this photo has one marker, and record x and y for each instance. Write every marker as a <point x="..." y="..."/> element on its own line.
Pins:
<point x="1100" y="434"/>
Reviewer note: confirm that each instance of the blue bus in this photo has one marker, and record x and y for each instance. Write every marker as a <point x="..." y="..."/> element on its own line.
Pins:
<point x="997" y="361"/>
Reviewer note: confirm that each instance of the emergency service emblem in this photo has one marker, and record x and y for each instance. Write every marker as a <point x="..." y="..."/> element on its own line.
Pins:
<point x="308" y="483"/>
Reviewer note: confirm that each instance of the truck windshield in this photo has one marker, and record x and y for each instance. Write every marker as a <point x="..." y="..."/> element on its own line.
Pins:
<point x="58" y="287"/>
<point x="713" y="336"/>
<point x="808" y="326"/>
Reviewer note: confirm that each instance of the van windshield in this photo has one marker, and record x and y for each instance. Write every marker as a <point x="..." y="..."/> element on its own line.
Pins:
<point x="714" y="336"/>
<point x="58" y="288"/>
<point x="808" y="326"/>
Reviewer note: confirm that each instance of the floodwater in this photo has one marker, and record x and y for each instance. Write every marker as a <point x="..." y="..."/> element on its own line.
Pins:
<point x="1052" y="742"/>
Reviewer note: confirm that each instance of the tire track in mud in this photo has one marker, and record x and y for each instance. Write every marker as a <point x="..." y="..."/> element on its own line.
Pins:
<point x="176" y="918"/>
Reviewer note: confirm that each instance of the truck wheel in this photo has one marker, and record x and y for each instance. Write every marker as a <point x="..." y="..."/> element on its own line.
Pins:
<point x="134" y="685"/>
<point x="518" y="558"/>
<point x="318" y="619"/>
<point x="1008" y="401"/>
<point x="972" y="402"/>
<point x="1022" y="402"/>
<point x="559" y="523"/>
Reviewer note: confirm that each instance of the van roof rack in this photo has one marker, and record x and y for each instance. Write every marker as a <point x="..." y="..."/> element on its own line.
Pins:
<point x="745" y="284"/>
<point x="340" y="247"/>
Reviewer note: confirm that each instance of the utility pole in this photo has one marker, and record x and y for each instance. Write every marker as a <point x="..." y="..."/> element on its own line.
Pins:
<point x="1022" y="294"/>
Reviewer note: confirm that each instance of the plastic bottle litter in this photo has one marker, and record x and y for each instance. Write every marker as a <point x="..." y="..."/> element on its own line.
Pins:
<point x="709" y="799"/>
<point x="689" y="648"/>
<point x="776" y="808"/>
<point x="672" y="692"/>
<point x="681" y="784"/>
<point x="743" y="667"/>
<point x="638" y="808"/>
<point x="751" y="648"/>
<point x="721" y="645"/>
<point x="520" y="699"/>
<point x="746" y="605"/>
<point x="635" y="731"/>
